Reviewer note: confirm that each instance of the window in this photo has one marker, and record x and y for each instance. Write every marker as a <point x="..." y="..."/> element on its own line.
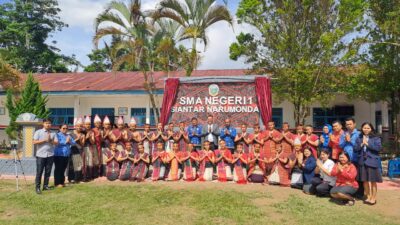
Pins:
<point x="60" y="116"/>
<point x="277" y="117"/>
<point x="322" y="116"/>
<point x="152" y="120"/>
<point x="102" y="112"/>
<point x="140" y="115"/>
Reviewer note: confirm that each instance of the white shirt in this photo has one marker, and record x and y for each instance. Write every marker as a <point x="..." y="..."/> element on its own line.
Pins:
<point x="328" y="165"/>
<point x="210" y="137"/>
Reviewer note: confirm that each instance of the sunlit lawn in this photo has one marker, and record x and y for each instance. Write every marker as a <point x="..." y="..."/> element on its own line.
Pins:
<point x="179" y="203"/>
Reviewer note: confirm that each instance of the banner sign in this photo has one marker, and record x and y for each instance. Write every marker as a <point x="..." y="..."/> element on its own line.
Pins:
<point x="234" y="100"/>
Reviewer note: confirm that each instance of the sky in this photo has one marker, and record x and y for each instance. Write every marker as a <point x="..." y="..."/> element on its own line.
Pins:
<point x="80" y="14"/>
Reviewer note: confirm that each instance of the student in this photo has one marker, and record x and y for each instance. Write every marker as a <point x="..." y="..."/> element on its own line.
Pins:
<point x="89" y="151"/>
<point x="256" y="173"/>
<point x="172" y="159"/>
<point x="206" y="163"/>
<point x="97" y="151"/>
<point x="75" y="162"/>
<point x="295" y="163"/>
<point x="145" y="138"/>
<point x="272" y="139"/>
<point x="286" y="139"/>
<point x="158" y="161"/>
<point x="324" y="183"/>
<point x="168" y="137"/>
<point x="324" y="138"/>
<point x="368" y="145"/>
<point x="308" y="166"/>
<point x="334" y="140"/>
<point x="106" y="140"/>
<point x="280" y="174"/>
<point x="256" y="137"/>
<point x="133" y="135"/>
<point x="346" y="184"/>
<point x="188" y="159"/>
<point x="223" y="159"/>
<point x="242" y="137"/>
<point x="61" y="155"/>
<point x="159" y="135"/>
<point x="181" y="136"/>
<point x="126" y="158"/>
<point x="112" y="171"/>
<point x="240" y="162"/>
<point x="141" y="162"/>
<point x="45" y="141"/>
<point x="299" y="135"/>
<point x="310" y="141"/>
<point x="118" y="135"/>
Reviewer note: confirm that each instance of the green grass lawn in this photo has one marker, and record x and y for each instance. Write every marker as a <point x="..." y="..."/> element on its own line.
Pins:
<point x="181" y="203"/>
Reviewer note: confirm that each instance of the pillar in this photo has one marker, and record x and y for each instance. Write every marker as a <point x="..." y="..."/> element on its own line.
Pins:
<point x="27" y="135"/>
<point x="148" y="112"/>
<point x="385" y="121"/>
<point x="76" y="106"/>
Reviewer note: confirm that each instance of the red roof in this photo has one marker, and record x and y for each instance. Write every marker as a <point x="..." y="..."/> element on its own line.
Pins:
<point x="115" y="81"/>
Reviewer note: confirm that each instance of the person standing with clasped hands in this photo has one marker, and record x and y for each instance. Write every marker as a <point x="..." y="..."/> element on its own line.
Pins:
<point x="61" y="155"/>
<point x="368" y="145"/>
<point x="45" y="141"/>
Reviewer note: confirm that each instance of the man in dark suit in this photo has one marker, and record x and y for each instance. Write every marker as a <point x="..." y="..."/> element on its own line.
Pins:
<point x="211" y="132"/>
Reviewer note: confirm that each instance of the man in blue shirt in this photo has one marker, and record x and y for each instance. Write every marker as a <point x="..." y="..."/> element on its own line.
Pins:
<point x="194" y="133"/>
<point x="347" y="142"/>
<point x="228" y="134"/>
<point x="348" y="139"/>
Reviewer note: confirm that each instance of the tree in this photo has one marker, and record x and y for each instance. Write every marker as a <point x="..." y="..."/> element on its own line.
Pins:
<point x="194" y="16"/>
<point x="30" y="100"/>
<point x="379" y="78"/>
<point x="9" y="77"/>
<point x="301" y="43"/>
<point x="141" y="45"/>
<point x="100" y="61"/>
<point x="24" y="28"/>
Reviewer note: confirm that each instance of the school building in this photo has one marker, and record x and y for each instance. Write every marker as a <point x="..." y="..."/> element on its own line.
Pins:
<point x="122" y="94"/>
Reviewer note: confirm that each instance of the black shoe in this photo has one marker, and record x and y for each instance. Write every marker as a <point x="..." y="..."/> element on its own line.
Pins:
<point x="46" y="188"/>
<point x="38" y="191"/>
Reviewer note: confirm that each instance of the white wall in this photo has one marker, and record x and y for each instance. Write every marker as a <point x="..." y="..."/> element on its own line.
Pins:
<point x="84" y="103"/>
<point x="363" y="111"/>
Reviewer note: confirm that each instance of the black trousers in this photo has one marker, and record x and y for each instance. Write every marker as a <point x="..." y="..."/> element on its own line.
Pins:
<point x="43" y="164"/>
<point x="60" y="164"/>
<point x="321" y="188"/>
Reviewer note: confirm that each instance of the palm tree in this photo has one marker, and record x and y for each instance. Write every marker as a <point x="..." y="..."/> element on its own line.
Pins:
<point x="195" y="16"/>
<point x="141" y="43"/>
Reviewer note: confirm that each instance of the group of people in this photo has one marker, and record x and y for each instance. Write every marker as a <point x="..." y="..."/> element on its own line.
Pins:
<point x="338" y="163"/>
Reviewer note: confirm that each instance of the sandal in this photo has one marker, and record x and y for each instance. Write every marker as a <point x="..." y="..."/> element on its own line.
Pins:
<point x="370" y="203"/>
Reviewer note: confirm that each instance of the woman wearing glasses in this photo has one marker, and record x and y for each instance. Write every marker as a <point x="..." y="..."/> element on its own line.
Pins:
<point x="61" y="155"/>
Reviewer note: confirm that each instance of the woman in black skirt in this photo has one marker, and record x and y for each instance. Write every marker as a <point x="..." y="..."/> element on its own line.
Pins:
<point x="367" y="147"/>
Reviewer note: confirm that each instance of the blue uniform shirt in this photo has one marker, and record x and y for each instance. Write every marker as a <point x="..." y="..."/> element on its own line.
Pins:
<point x="63" y="148"/>
<point x="228" y="138"/>
<point x="195" y="139"/>
<point x="348" y="146"/>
